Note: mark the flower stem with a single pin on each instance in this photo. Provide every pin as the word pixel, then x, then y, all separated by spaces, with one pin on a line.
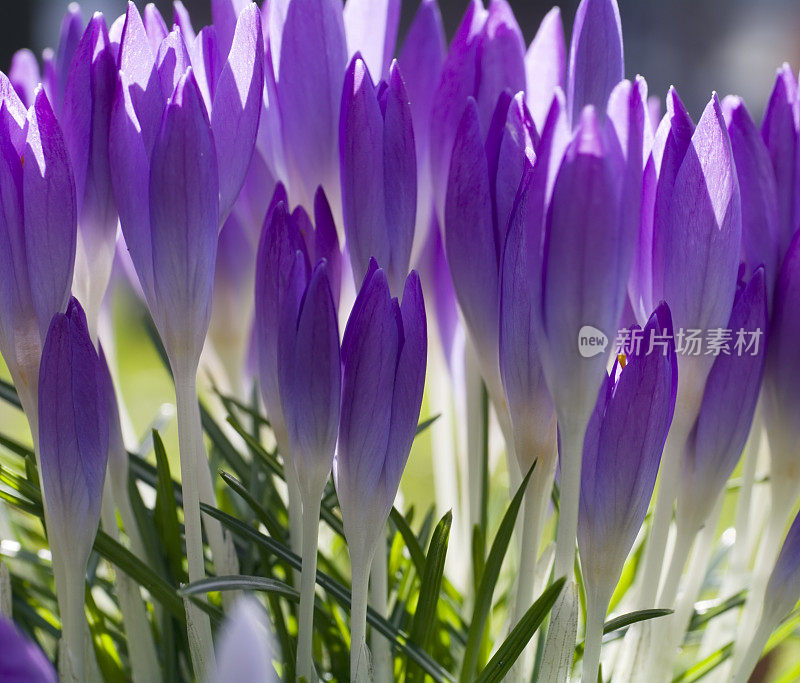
pixel 595 619
pixel 192 452
pixel 359 655
pixel 305 658
pixel 379 591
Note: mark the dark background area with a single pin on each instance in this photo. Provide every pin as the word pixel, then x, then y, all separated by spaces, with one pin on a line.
pixel 732 46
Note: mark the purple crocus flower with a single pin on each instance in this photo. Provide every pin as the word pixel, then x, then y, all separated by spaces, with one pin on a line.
pixel 760 225
pixel 284 235
pixel 545 66
pixel 718 437
pixel 378 172
pixel 309 373
pixel 166 149
pixel 86 113
pixel 781 389
pixel 383 374
pixel 481 188
pixel 21 660
pixel 621 455
pixel 73 444
pixel 38 233
pixel 486 56
pixel 596 60
pixel 309 56
pixel 780 132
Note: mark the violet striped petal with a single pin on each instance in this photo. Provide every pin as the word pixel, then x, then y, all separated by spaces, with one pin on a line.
pixel 50 213
pixel 56 65
pixel 184 215
pixel 371 29
pixel 21 660
pixel 24 75
pixel 73 436
pixel 596 60
pixel 545 65
pixel 154 26
pixel 225 14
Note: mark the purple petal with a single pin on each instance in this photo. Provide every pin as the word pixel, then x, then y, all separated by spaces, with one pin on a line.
pixel 57 66
pixel 308 45
pixel 73 435
pixel 596 61
pixel 225 14
pixel 172 60
pixel 361 146
pixel 21 659
pixel 469 234
pixel 184 215
pixel 207 63
pixel 783 362
pixel 280 242
pixel 371 29
pixel 130 179
pixel 586 193
pixel 310 380
pixel 182 19
pixel 369 364
pixel 237 105
pixel 137 62
pixel 399 178
pixel 760 227
pixel 24 75
pixel 718 437
pixel 621 457
pixel 699 245
pixel 409 383
pixel 532 413
pixel 779 130
pixel 545 65
pixel 155 27
pixel 50 213
pixel 784 581
pixel 326 244
pixel 15 118
pixel 87 110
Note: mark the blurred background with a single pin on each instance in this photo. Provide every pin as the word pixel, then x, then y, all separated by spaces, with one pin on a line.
pixel 732 46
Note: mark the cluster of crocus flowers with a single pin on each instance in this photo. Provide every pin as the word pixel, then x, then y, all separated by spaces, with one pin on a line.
pixel 278 177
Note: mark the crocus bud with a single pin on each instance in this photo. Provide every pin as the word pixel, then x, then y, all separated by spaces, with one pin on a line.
pixel 780 132
pixel 37 235
pixel 309 372
pixel 383 365
pixel 486 56
pixel 718 437
pixel 371 30
pixel 184 215
pixel 760 225
pixel 621 455
pixel 781 390
pixel 584 233
pixel 73 444
pixel 481 188
pixel 697 242
pixel 378 172
pixel 245 647
pixel 309 55
pixel 545 65
pixel 86 115
pixel 21 659
pixel 596 60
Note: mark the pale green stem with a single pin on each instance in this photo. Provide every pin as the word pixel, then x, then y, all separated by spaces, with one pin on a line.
pixel 70 587
pixel 379 591
pixel 359 655
pixel 305 636
pixel 744 664
pixel 293 494
pixel 593 641
pixel 192 456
